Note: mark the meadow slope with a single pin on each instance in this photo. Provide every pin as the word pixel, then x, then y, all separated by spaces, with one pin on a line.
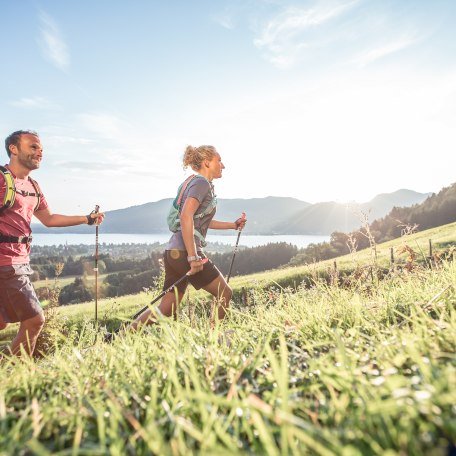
pixel 365 368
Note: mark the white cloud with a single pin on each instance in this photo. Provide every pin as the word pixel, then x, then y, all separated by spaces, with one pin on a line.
pixel 284 38
pixel 105 125
pixel 225 20
pixel 52 43
pixel 34 103
pixel 377 53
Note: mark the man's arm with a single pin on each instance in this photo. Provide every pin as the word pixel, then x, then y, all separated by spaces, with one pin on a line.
pixel 54 220
pixel 187 224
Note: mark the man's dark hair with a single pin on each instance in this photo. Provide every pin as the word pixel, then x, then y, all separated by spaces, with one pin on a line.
pixel 14 139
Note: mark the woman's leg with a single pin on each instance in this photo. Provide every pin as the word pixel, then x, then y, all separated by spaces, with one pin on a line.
pixel 168 307
pixel 222 293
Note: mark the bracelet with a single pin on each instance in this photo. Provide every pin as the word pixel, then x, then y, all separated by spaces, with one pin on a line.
pixel 193 258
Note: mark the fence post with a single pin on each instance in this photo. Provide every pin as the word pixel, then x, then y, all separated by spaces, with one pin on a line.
pixel 430 248
pixel 392 256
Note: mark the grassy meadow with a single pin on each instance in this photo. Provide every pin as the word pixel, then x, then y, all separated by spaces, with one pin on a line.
pixel 344 367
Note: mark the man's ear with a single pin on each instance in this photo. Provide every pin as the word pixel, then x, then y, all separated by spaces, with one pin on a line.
pixel 13 149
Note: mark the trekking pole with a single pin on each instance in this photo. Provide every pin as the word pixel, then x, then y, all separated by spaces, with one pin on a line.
pixel 175 284
pixel 97 208
pixel 234 253
pixel 170 288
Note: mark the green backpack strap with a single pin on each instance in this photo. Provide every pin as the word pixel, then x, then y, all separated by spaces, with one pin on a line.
pixel 174 212
pixel 173 215
pixel 10 191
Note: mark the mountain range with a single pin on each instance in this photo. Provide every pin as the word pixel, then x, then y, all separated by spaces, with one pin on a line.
pixel 269 215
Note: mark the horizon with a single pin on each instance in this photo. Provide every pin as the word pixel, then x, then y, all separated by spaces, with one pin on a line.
pixel 291 197
pixel 322 100
pixel 347 203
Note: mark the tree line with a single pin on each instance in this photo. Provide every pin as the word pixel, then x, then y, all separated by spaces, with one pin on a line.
pixel 132 275
pixel 438 209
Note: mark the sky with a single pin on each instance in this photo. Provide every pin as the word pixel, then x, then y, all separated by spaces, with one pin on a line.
pixel 320 100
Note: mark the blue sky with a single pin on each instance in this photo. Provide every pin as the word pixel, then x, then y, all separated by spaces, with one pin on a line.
pixel 319 100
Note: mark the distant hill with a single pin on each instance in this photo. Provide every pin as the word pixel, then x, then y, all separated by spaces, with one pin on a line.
pixel 269 215
pixel 324 218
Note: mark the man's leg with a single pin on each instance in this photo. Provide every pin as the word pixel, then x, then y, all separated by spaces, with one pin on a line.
pixel 3 324
pixel 27 336
pixel 222 293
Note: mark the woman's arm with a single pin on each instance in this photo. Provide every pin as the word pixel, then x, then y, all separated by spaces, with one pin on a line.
pixel 236 225
pixel 216 225
pixel 187 227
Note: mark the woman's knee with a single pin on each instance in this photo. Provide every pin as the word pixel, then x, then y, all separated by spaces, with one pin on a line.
pixel 227 293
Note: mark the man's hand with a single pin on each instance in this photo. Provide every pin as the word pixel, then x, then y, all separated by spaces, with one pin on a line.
pixel 95 218
pixel 240 222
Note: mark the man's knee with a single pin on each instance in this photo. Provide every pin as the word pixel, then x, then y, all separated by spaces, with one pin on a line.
pixel 34 324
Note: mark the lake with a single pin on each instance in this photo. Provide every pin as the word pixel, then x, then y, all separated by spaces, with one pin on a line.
pixel 117 238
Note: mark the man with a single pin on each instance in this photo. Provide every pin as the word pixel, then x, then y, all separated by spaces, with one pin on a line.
pixel 18 301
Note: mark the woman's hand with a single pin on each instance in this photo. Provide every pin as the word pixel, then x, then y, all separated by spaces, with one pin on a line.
pixel 240 222
pixel 196 266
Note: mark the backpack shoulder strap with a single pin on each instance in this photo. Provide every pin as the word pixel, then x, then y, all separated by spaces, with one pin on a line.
pixel 10 189
pixel 38 193
pixel 182 189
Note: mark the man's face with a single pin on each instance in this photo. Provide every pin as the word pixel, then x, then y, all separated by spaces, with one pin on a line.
pixel 29 151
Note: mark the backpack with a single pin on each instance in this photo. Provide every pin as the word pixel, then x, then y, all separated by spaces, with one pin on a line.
pixel 174 211
pixel 10 192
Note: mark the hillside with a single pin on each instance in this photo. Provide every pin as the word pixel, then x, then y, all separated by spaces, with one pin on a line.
pixel 363 369
pixel 270 215
pixel 325 218
pixel 442 238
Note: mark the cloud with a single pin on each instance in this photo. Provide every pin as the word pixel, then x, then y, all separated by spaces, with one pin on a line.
pixel 60 140
pixel 105 125
pixel 35 103
pixel 52 43
pixel 224 19
pixel 284 37
pixel 90 166
pixel 377 53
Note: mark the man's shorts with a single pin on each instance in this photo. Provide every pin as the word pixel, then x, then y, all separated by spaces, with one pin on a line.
pixel 176 265
pixel 18 300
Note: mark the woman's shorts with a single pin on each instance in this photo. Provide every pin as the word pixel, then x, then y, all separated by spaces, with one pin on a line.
pixel 18 300
pixel 176 265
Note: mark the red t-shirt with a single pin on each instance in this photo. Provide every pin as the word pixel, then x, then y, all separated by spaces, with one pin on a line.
pixel 16 221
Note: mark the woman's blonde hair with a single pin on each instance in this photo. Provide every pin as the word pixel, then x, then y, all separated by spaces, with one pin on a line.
pixel 195 156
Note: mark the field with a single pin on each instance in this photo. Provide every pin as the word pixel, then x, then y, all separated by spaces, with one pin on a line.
pixel 350 368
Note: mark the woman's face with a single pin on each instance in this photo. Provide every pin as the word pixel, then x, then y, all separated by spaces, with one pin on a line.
pixel 216 166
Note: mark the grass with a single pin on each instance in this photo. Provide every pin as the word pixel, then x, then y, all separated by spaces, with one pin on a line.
pixel 368 368
pixel 66 280
pixel 326 370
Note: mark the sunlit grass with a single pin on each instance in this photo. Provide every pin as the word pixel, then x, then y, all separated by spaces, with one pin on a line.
pixel 326 370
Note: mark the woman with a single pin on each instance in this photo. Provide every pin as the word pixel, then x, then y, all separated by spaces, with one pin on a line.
pixel 184 253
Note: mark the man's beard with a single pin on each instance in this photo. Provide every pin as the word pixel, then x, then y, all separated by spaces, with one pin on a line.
pixel 27 161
